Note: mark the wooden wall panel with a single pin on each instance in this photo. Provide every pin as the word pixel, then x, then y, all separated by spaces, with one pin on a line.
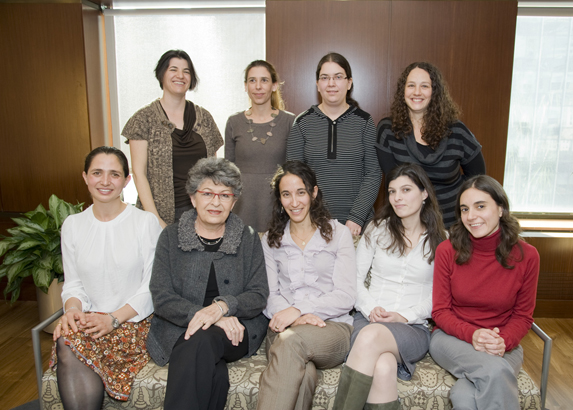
pixel 555 287
pixel 299 33
pixel 43 113
pixel 96 91
pixel 472 42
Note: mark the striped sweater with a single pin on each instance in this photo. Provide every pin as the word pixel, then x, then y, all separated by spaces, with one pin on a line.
pixel 341 154
pixel 442 164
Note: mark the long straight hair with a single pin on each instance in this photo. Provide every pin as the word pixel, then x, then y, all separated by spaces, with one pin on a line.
pixel 430 214
pixel 276 96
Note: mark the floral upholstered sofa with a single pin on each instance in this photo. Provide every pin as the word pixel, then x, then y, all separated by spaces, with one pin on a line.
pixel 428 389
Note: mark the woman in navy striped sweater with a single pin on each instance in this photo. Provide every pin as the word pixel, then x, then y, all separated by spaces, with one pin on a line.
pixel 424 129
pixel 335 138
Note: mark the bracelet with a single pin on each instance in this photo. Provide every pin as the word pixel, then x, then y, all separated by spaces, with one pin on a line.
pixel 223 313
pixel 70 308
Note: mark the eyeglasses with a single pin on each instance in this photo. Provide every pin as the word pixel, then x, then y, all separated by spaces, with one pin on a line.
pixel 326 78
pixel 210 195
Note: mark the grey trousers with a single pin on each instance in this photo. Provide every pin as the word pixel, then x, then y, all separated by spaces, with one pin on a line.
pixel 290 379
pixel 485 382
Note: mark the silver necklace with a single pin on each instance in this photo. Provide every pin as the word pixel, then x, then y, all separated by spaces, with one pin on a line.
pixel 205 242
pixel 251 130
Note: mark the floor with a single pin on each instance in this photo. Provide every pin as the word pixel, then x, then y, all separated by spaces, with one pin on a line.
pixel 18 379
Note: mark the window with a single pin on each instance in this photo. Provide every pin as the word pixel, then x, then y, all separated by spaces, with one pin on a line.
pixel 539 160
pixel 221 38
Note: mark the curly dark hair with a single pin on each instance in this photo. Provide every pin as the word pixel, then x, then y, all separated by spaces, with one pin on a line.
pixel 430 214
pixel 319 215
pixel 442 111
pixel 460 237
pixel 342 62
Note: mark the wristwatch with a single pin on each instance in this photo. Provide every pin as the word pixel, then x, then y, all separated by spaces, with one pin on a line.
pixel 114 322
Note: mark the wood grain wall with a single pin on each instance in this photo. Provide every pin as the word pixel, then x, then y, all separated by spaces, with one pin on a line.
pixel 470 41
pixel 44 124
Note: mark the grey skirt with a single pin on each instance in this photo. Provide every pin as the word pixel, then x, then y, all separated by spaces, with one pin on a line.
pixel 413 342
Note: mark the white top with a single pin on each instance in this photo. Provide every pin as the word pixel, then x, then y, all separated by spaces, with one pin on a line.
pixel 321 279
pixel 108 264
pixel 401 284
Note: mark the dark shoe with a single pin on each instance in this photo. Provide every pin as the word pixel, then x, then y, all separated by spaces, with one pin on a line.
pixel 393 405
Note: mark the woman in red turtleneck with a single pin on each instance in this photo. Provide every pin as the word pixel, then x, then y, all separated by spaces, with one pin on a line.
pixel 485 283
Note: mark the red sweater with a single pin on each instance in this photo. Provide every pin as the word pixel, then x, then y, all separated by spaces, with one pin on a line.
pixel 483 294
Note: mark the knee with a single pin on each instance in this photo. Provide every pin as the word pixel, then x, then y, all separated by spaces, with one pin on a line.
pixel 386 368
pixel 288 342
pixel 201 343
pixel 370 339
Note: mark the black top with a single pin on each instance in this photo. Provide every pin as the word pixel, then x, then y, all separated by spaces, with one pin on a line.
pixel 188 148
pixel 458 152
pixel 212 289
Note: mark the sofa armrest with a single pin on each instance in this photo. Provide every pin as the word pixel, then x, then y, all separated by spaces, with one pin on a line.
pixel 37 348
pixel 547 345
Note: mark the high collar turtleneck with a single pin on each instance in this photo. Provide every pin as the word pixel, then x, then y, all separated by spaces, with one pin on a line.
pixel 487 244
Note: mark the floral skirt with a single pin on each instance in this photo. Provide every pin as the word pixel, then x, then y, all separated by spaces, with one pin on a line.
pixel 116 357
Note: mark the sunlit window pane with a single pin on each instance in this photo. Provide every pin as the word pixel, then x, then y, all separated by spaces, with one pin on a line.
pixel 539 162
pixel 221 44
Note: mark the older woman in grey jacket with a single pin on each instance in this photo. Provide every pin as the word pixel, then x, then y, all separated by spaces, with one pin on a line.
pixel 209 287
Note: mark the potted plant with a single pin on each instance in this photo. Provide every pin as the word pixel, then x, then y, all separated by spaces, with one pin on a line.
pixel 34 248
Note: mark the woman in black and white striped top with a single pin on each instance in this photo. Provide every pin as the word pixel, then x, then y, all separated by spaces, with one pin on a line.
pixel 336 139
pixel 424 129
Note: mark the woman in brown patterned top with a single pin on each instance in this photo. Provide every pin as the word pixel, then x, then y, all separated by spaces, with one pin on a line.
pixel 167 137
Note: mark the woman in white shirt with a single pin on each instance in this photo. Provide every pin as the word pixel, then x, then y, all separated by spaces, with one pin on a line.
pixel 390 328
pixel 107 253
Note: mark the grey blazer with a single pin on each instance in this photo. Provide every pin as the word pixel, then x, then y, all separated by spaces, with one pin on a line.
pixel 179 281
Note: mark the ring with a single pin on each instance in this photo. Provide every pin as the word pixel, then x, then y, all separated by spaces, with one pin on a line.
pixel 276 327
pixel 232 329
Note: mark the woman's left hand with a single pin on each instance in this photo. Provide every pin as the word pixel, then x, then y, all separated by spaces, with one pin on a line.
pixel 204 318
pixel 385 316
pixel 309 319
pixel 355 229
pixel 97 325
pixel 233 329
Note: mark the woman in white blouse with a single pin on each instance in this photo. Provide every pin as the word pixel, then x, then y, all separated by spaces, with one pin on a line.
pixel 390 328
pixel 107 253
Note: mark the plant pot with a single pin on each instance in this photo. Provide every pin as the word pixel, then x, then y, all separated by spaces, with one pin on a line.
pixel 50 302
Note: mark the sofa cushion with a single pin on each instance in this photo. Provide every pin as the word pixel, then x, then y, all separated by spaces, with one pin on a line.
pixel 428 389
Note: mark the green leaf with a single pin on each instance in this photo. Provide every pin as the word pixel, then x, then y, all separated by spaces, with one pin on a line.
pixel 58 266
pixel 54 245
pixel 15 269
pixel 39 210
pixel 41 219
pixel 28 226
pixel 13 288
pixel 17 256
pixel 45 262
pixel 15 232
pixel 42 277
pixel 29 243
pixel 7 244
pixel 3 270
pixel 54 202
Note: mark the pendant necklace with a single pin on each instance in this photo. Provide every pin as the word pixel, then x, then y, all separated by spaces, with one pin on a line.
pixel 206 242
pixel 303 240
pixel 252 131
